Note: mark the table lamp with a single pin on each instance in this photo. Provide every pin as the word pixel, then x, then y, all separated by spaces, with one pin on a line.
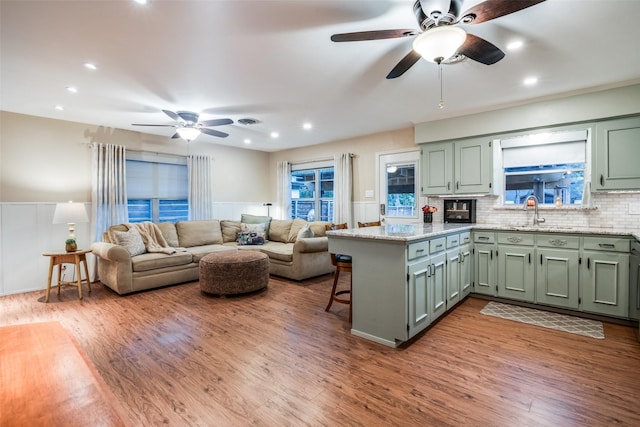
pixel 70 213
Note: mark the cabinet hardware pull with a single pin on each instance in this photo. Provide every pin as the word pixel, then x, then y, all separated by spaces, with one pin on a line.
pixel 491 254
pixel 449 185
pixel 588 263
pixel 607 245
pixel 540 259
pixel 483 238
pixel 420 250
pixel 601 179
pixel 529 258
pixel 457 185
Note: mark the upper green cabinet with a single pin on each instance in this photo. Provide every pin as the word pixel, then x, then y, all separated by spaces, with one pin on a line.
pixel 457 167
pixel 615 155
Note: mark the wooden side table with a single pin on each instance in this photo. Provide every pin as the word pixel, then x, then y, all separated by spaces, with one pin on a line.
pixel 76 258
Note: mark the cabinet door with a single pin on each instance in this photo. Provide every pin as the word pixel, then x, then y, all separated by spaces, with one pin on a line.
pixel 557 278
pixel 437 168
pixel 484 277
pixel 419 296
pixel 605 283
pixel 453 277
pixel 634 282
pixel 516 273
pixel 439 285
pixel 465 270
pixel 473 166
pixel 616 154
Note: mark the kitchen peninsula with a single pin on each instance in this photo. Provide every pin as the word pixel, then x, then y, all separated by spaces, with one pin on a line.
pixel 399 284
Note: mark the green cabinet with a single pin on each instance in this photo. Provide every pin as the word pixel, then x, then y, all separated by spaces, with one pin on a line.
pixel 438 277
pixel 515 266
pixel 453 264
pixel 419 296
pixel 484 263
pixel 457 167
pixel 466 271
pixel 615 155
pixel 634 281
pixel 557 270
pixel 604 276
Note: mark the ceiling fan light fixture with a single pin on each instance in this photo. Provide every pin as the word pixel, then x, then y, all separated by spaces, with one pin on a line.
pixel 439 43
pixel 188 133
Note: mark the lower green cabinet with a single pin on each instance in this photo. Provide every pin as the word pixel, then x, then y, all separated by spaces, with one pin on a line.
pixel 634 281
pixel 419 295
pixel 438 285
pixel 605 283
pixel 466 273
pixel 557 277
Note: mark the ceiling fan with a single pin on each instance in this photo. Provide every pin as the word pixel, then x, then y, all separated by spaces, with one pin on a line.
pixel 188 127
pixel 441 40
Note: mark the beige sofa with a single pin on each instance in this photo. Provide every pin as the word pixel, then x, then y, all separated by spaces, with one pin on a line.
pixel 289 256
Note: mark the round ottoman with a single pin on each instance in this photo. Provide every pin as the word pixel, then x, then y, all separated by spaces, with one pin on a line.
pixel 234 272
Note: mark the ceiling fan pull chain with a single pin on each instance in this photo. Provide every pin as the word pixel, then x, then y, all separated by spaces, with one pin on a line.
pixel 441 103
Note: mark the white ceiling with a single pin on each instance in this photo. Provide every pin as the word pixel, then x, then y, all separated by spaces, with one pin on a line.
pixel 274 61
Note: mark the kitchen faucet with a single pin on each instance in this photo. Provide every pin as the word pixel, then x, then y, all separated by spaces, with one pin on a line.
pixel 536 217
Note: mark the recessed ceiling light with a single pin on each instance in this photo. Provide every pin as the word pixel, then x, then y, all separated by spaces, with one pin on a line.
pixel 72 89
pixel 275 134
pixel 59 108
pixel 307 126
pixel 530 81
pixel 140 1
pixel 515 45
pixel 247 141
pixel 90 66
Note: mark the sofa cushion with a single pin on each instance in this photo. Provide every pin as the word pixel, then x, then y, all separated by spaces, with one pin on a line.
pixel 279 230
pixel 278 250
pixel 230 230
pixel 319 228
pixel 296 226
pixel 153 261
pixel 117 227
pixel 255 219
pixel 131 240
pixel 198 233
pixel 199 251
pixel 305 232
pixel 252 234
pixel 170 234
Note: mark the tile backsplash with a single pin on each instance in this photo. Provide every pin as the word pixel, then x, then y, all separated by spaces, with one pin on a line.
pixel 609 211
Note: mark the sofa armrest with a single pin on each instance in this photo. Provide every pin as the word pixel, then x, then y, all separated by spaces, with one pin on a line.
pixel 311 244
pixel 111 252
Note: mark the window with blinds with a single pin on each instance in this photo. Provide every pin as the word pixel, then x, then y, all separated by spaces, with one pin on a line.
pixel 550 166
pixel 157 188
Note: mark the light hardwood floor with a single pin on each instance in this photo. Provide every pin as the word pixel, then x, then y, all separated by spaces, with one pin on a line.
pixel 174 356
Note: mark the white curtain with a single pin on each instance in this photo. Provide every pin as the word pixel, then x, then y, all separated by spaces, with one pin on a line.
pixel 343 189
pixel 108 188
pixel 200 187
pixel 283 193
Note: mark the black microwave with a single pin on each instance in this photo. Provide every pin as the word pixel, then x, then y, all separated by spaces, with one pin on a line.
pixel 460 210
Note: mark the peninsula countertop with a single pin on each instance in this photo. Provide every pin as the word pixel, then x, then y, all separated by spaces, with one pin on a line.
pixel 417 231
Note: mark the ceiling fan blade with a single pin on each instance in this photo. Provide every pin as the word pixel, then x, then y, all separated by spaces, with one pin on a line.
pixel 480 50
pixel 171 114
pixel 175 136
pixel 216 122
pixel 372 35
pixel 142 124
pixel 492 9
pixel 404 64
pixel 188 116
pixel 214 132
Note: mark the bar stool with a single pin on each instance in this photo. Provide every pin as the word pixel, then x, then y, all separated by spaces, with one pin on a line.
pixel 369 224
pixel 342 264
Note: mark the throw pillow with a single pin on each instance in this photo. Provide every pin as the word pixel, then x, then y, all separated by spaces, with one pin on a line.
pixel 296 226
pixel 279 230
pixel 131 240
pixel 230 230
pixel 305 232
pixel 251 234
pixel 255 219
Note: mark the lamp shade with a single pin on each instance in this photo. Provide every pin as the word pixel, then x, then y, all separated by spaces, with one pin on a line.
pixel 70 213
pixel 188 133
pixel 439 43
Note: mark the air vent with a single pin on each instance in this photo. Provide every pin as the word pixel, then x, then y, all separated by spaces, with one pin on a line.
pixel 248 121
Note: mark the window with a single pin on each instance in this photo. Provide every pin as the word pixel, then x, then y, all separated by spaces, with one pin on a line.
pixel 550 166
pixel 312 192
pixel 157 188
pixel 401 191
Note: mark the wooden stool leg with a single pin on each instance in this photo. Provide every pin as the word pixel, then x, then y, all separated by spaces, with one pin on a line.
pixel 333 290
pixel 79 273
pixel 86 272
pixel 46 299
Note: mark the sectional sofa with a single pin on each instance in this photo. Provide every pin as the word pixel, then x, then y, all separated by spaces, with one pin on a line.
pixel 291 253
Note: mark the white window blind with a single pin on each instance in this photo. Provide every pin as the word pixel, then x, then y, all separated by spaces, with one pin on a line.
pixel 150 180
pixel 557 148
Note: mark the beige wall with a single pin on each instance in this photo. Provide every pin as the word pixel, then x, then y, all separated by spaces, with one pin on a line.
pixel 46 160
pixel 364 164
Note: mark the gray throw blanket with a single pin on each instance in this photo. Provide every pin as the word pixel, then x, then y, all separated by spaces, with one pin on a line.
pixel 153 239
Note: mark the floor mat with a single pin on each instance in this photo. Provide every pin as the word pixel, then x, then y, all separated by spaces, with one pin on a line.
pixel 546 319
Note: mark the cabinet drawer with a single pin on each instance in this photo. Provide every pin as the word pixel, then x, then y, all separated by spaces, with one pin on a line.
pixel 453 241
pixel 522 239
pixel 484 237
pixel 613 244
pixel 437 245
pixel 557 241
pixel 465 238
pixel 418 249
